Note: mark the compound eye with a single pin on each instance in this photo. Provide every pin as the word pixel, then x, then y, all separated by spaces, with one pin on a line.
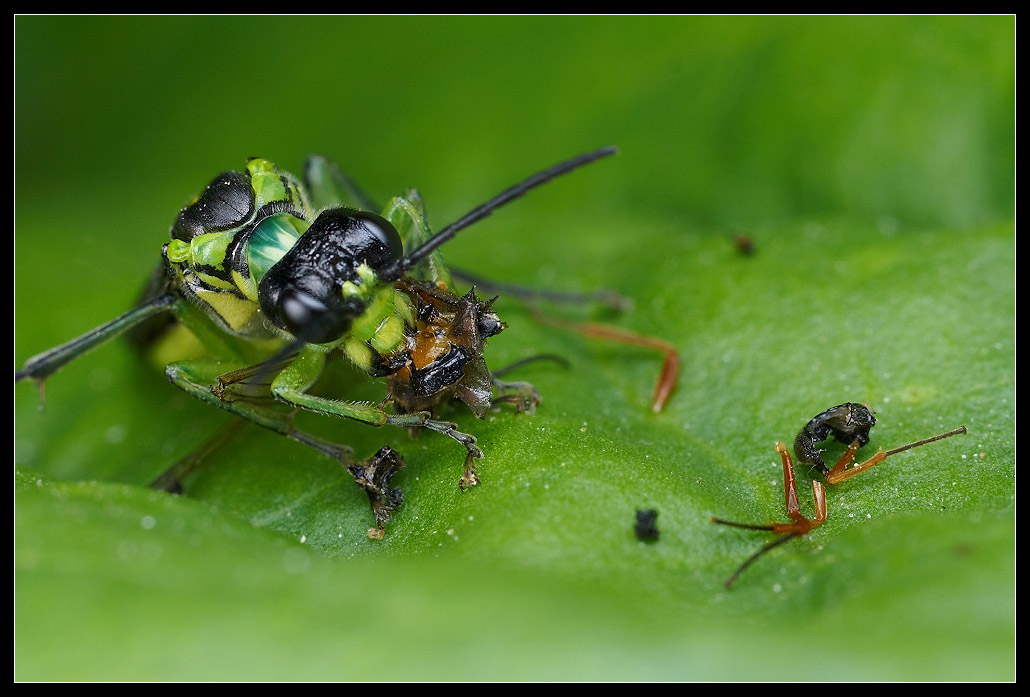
pixel 310 319
pixel 300 311
pixel 380 230
pixel 228 201
pixel 488 325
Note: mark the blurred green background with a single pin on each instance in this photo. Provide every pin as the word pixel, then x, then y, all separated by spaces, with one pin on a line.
pixel 870 159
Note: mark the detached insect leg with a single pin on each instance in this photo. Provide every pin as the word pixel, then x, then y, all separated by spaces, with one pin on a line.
pixel 839 472
pixel 670 371
pixel 844 425
pixel 799 526
pixel 291 384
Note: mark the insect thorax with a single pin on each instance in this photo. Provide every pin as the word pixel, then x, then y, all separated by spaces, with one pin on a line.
pixel 225 241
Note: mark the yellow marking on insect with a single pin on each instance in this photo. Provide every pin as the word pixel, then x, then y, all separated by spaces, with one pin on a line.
pixel 359 354
pixel 236 312
pixel 246 284
pixel 215 281
pixel 388 335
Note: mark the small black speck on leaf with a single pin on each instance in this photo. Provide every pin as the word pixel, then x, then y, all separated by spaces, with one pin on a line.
pixel 647 528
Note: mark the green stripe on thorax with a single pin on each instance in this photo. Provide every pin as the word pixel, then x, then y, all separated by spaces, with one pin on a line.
pixel 270 185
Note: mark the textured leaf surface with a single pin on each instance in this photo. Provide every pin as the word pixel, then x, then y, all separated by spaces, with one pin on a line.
pixel 870 160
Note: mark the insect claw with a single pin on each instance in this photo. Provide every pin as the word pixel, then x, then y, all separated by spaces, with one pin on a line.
pixel 469 478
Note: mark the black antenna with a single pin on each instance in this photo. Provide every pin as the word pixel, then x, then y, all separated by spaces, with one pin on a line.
pixel 401 266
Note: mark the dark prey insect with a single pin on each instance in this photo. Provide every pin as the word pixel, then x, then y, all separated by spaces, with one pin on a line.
pixel 273 275
pixel 848 423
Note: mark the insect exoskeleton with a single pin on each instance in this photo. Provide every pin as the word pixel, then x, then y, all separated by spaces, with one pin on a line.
pixel 273 274
pixel 848 423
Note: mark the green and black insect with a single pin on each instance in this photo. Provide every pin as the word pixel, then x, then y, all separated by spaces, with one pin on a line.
pixel 273 273
pixel 848 423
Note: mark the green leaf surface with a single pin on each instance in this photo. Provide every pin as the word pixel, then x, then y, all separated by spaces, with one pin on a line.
pixel 870 160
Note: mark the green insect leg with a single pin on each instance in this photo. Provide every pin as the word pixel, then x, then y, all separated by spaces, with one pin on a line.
pixel 408 215
pixel 330 187
pixel 171 480
pixel 40 367
pixel 291 384
pixel 196 378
